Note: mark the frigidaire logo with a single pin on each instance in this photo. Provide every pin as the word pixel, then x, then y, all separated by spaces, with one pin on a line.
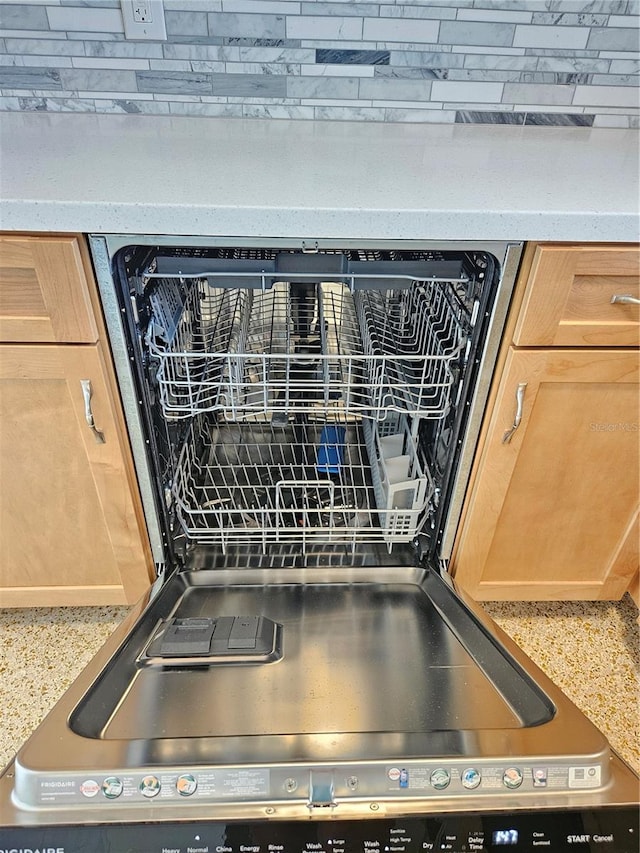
pixel 31 849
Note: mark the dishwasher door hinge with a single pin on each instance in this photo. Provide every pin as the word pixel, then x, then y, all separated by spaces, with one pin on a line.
pixel 158 583
pixel 443 569
pixel 425 557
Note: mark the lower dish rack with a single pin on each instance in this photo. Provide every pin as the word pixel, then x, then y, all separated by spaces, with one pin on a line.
pixel 347 480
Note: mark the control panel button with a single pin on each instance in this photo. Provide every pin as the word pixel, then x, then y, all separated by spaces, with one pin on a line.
pixel 150 786
pixel 512 778
pixel 186 785
pixel 112 787
pixel 471 778
pixel 440 778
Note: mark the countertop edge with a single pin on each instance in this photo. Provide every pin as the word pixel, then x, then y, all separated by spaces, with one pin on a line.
pixel 300 223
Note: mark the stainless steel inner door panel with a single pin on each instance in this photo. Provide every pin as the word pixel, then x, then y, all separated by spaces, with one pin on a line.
pixel 364 656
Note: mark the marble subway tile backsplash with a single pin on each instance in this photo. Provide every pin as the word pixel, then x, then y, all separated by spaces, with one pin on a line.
pixel 524 62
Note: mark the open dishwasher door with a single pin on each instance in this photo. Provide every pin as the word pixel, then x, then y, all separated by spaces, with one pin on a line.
pixel 302 425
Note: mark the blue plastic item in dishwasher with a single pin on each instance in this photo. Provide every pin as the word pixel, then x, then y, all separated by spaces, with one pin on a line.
pixel 331 449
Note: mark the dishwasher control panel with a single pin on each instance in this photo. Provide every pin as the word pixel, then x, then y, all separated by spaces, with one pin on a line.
pixel 607 830
pixel 314 787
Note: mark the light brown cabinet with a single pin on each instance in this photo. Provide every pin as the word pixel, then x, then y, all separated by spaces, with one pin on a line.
pixel 552 510
pixel 71 527
pixel 44 291
pixel 572 298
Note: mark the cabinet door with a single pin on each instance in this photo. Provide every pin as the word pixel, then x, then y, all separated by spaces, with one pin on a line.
pixel 568 298
pixel 551 513
pixel 69 529
pixel 44 294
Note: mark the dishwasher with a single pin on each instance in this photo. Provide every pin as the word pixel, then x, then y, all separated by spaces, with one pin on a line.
pixel 304 676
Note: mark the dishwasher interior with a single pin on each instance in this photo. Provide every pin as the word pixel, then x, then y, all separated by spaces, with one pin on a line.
pixel 303 424
pixel 303 403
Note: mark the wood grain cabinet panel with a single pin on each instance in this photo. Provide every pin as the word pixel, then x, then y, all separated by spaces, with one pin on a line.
pixel 44 292
pixel 69 533
pixel 568 297
pixel 634 586
pixel 553 511
pixel 72 530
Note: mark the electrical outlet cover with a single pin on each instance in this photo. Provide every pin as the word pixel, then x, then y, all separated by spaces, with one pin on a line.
pixel 144 20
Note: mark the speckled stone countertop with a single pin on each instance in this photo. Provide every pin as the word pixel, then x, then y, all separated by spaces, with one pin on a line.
pixel 590 649
pixel 316 180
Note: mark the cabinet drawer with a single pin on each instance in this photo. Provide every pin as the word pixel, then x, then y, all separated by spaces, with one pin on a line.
pixel 44 295
pixel 568 298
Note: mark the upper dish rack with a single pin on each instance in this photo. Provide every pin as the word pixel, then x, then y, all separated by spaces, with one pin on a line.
pixel 257 345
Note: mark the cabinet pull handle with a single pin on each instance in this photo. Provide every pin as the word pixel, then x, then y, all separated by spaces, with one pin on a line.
pixel 506 438
pixel 86 393
pixel 624 299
